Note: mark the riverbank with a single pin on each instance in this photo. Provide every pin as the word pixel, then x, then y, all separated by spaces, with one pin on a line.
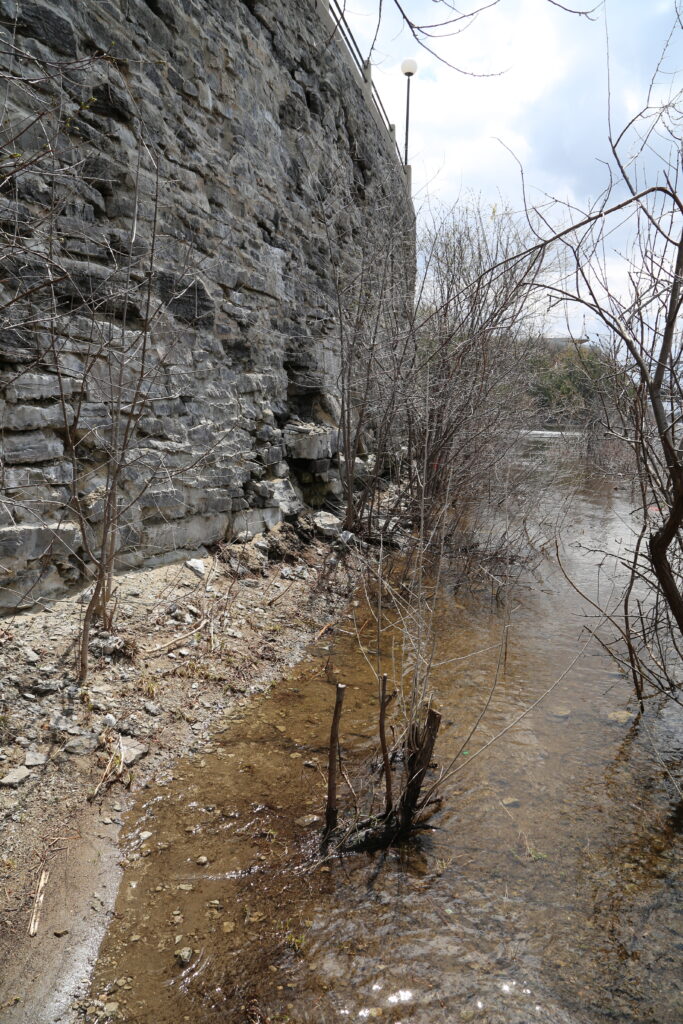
pixel 191 641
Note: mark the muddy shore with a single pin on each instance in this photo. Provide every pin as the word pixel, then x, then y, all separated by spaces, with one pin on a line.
pixel 190 642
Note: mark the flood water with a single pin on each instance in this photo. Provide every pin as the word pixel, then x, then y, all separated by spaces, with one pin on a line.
pixel 550 889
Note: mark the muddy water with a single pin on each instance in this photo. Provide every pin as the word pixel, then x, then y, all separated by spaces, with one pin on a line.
pixel 550 890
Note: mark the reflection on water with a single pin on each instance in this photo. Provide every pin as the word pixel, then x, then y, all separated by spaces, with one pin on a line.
pixel 550 890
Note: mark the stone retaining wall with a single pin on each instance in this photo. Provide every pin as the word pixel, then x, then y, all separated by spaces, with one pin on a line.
pixel 190 194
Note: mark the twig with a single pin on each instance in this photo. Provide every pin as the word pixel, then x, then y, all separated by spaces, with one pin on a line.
pixel 176 640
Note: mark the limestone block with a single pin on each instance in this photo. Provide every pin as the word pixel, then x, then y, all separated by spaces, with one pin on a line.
pixel 29 386
pixel 22 544
pixel 35 417
pixel 247 524
pixel 327 525
pixel 289 502
pixel 35 446
pixel 42 22
pixel 186 534
pixel 21 590
pixel 310 441
pixel 20 477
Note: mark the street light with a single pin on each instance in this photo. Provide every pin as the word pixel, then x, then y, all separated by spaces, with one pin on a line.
pixel 408 67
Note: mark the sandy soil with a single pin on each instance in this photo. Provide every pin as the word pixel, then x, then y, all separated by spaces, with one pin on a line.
pixel 186 645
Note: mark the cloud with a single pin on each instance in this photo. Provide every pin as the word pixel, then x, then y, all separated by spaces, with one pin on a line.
pixel 542 92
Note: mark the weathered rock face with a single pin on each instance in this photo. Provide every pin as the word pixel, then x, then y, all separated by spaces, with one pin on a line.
pixel 193 192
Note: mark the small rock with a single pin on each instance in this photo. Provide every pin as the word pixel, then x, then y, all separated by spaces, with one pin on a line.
pixel 326 524
pixel 307 820
pixel 560 711
pixel 145 835
pixel 15 777
pixel 82 745
pixel 622 717
pixel 31 656
pixel 202 861
pixel 61 932
pixel 43 687
pixel 510 801
pixel 34 758
pixel 133 751
pixel 111 1007
pixel 109 721
pixel 151 708
pixel 184 955
pixel 196 565
pixel 228 926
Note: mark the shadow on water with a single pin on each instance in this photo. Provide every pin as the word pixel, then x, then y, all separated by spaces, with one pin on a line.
pixel 550 890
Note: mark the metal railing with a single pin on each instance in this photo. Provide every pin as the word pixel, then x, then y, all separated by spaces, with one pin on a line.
pixel 336 14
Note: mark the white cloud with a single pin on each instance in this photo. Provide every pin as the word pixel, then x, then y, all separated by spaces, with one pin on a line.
pixel 549 104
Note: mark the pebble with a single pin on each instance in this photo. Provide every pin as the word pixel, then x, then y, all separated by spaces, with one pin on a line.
pixel 622 717
pixel 145 835
pixel 510 801
pixel 184 955
pixel 82 745
pixel 196 565
pixel 307 819
pixel 15 777
pixel 560 711
pixel 202 861
pixel 34 758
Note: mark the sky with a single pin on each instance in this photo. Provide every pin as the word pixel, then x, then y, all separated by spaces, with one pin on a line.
pixel 542 92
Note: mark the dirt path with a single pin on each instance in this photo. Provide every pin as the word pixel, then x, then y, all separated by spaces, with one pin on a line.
pixel 189 642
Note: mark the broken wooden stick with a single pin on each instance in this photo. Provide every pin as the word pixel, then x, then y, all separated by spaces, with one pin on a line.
pixel 38 902
pixel 421 748
pixel 331 811
pixel 383 704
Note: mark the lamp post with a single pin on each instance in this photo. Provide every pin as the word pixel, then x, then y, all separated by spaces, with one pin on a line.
pixel 408 67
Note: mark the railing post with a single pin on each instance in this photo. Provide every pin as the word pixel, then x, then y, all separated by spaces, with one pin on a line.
pixel 367 80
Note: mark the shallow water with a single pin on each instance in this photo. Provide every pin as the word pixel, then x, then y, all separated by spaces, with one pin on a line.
pixel 549 891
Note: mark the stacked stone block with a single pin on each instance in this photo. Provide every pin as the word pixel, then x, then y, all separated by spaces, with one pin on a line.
pixel 189 186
